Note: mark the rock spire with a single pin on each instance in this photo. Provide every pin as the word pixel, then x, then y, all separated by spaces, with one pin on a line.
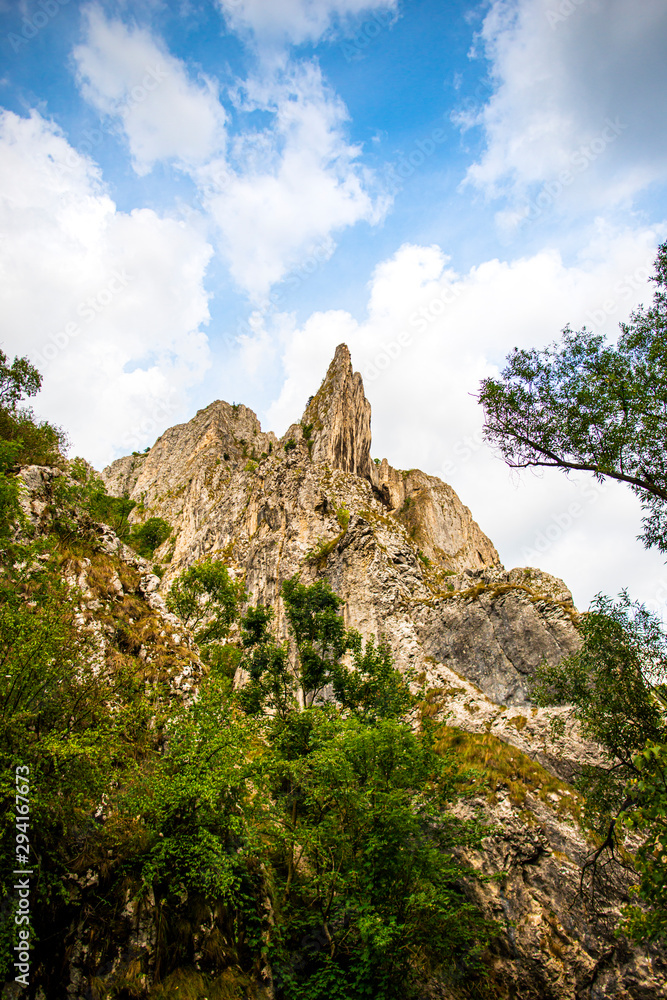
pixel 339 416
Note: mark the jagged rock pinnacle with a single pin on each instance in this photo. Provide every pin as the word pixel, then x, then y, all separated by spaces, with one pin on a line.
pixel 340 416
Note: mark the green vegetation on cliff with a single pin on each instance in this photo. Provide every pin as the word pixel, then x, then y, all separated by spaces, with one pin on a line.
pixel 261 842
pixel 616 686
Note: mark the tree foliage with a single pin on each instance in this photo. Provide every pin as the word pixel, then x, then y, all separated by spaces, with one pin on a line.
pixel 10 509
pixel 206 599
pixel 367 894
pixel 17 381
pixel 92 496
pixel 319 634
pixel 368 890
pixel 368 684
pixel 147 537
pixel 37 442
pixel 614 684
pixel 370 894
pixel 372 688
pixel 584 405
pixel 61 717
pixel 648 790
pixel 271 681
pixel 200 826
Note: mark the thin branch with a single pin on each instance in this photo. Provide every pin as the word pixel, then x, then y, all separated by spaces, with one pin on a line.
pixel 561 463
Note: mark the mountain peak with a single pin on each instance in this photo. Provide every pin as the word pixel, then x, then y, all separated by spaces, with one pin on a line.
pixel 340 417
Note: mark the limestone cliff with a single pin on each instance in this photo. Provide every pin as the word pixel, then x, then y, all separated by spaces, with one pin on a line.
pixel 119 598
pixel 412 565
pixel 339 418
pixel 414 569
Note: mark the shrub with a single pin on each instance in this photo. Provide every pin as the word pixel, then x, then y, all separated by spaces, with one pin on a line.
pixel 343 516
pixel 147 537
pixel 206 599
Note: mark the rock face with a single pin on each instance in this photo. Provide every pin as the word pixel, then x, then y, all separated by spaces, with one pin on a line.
pixel 415 570
pixel 551 949
pixel 120 601
pixel 339 416
pixel 218 435
pixel 400 548
pixel 435 518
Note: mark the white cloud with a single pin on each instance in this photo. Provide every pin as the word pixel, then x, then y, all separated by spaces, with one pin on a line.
pixel 577 100
pixel 286 188
pixel 107 304
pixel 280 191
pixel 296 21
pixel 431 335
pixel 128 75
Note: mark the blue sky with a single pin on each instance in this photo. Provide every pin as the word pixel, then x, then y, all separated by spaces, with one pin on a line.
pixel 201 198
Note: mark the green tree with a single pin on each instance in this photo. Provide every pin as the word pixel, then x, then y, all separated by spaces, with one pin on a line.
pixel 199 829
pixel 10 510
pixel 37 443
pixel 649 818
pixel 60 722
pixel 93 497
pixel 369 892
pixel 147 537
pixel 206 600
pixel 270 678
pixel 372 688
pixel 18 380
pixel 79 501
pixel 584 405
pixel 319 634
pixel 615 686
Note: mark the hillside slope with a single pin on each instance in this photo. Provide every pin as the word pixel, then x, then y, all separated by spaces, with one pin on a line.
pixel 414 569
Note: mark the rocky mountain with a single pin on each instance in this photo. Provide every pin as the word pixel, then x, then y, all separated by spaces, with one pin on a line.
pixel 414 569
pixel 413 566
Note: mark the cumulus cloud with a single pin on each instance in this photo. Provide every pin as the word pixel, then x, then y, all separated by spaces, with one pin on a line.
pixel 429 338
pixel 295 21
pixel 275 194
pixel 286 188
pixel 108 304
pixel 128 75
pixel 575 100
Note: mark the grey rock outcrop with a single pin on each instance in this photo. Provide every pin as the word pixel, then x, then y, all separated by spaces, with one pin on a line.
pixel 339 419
pixel 436 520
pixel 400 548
